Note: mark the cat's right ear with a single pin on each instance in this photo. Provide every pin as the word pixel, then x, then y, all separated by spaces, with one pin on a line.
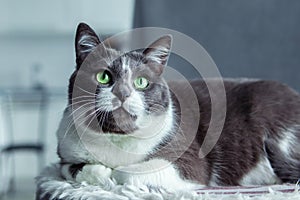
pixel 159 52
pixel 86 40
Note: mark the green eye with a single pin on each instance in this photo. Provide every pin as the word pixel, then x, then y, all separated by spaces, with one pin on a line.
pixel 141 83
pixel 103 77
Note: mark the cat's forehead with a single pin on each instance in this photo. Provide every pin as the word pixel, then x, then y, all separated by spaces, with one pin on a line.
pixel 128 61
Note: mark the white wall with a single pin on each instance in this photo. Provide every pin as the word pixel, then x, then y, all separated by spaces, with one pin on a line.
pixel 20 53
pixel 40 32
pixel 61 16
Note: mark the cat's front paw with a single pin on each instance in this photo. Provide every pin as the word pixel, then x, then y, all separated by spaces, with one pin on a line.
pixel 127 175
pixel 95 174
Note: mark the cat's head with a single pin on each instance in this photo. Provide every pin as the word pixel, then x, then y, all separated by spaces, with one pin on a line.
pixel 116 92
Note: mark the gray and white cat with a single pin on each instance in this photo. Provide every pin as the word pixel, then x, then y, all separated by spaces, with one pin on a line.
pixel 123 122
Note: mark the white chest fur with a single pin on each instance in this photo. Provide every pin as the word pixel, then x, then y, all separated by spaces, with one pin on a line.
pixel 80 144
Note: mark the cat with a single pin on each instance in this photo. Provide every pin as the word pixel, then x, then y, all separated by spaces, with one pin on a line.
pixel 123 122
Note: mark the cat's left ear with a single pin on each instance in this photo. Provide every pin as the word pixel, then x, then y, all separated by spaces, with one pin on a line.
pixel 86 40
pixel 159 51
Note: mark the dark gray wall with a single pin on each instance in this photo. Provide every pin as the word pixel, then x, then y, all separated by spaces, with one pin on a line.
pixel 246 38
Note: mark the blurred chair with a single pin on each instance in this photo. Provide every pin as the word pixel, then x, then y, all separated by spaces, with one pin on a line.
pixel 14 101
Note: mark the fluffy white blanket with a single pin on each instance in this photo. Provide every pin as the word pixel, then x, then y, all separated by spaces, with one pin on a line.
pixel 50 185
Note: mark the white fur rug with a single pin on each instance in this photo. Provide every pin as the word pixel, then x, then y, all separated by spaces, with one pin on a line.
pixel 50 185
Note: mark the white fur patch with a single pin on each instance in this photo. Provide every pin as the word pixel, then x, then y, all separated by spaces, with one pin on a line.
pixel 94 174
pixel 125 64
pixel 288 141
pixel 261 174
pixel 134 104
pixel 155 172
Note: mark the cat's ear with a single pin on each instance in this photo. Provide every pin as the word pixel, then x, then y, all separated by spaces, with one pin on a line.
pixel 159 51
pixel 86 40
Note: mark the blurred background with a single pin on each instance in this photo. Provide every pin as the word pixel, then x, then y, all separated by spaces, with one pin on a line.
pixel 255 39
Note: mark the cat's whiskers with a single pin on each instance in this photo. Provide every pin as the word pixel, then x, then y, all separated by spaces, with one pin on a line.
pixel 72 106
pixel 147 99
pixel 72 124
pixel 75 120
pixel 80 101
pixel 86 103
pixel 87 100
pixel 88 92
pixel 83 97
pixel 94 115
pixel 134 108
pixel 103 119
pixel 155 108
pixel 84 110
pixel 79 124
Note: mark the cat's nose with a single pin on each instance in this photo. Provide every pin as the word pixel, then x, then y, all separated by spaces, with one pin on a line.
pixel 123 96
pixel 122 93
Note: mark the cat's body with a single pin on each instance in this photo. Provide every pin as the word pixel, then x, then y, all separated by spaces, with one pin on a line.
pixel 132 127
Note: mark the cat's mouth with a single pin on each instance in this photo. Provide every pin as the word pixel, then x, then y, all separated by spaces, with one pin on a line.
pixel 118 121
pixel 124 107
pixel 123 113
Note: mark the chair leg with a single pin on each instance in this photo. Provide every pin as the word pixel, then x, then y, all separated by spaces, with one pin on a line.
pixel 5 173
pixel 12 178
pixel 41 160
pixel 2 176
